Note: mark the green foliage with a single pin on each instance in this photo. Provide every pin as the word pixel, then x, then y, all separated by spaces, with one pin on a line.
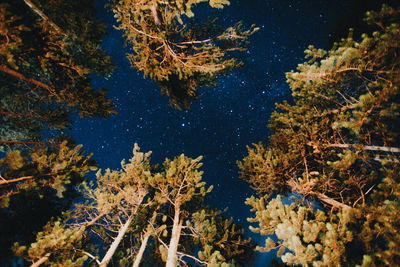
pixel 145 199
pixel 221 241
pixel 310 236
pixel 180 181
pixel 174 50
pixel 57 167
pixel 45 70
pixel 337 145
pixel 118 197
pixel 35 185
pixel 57 244
pixel 48 49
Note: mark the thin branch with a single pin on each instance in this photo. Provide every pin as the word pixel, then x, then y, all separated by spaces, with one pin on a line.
pixel 4 181
pixel 90 256
pixel 191 257
pixel 372 148
pixel 14 114
pixel 20 76
pixel 362 195
pixel 330 201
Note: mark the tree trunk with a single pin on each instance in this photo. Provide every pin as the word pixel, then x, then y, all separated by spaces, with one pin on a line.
pixel 42 260
pixel 139 255
pixel 106 259
pixel 145 240
pixel 174 242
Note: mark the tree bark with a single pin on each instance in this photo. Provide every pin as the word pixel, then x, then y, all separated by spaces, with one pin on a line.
pixel 42 260
pixel 174 242
pixel 106 259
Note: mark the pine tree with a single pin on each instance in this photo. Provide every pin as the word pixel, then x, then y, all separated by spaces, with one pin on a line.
pixel 47 52
pixel 44 167
pixel 176 51
pixel 180 182
pixel 336 146
pixel 221 241
pixel 34 186
pixel 135 209
pixel 108 213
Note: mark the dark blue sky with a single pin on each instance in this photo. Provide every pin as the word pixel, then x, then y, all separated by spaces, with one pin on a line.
pixel 226 118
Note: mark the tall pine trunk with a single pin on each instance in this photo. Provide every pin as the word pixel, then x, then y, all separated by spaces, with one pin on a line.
pixel 141 251
pixel 115 243
pixel 145 240
pixel 174 242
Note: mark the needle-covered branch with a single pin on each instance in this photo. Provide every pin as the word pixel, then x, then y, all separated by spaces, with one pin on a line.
pixel 174 50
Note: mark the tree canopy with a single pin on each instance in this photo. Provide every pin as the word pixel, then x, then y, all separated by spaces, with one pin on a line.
pixel 327 181
pixel 128 207
pixel 47 52
pixel 336 148
pixel 178 52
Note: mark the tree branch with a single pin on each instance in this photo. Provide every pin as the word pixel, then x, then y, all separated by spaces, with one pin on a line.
pixel 20 76
pixel 90 256
pixel 42 15
pixel 372 148
pixel 41 260
pixel 4 181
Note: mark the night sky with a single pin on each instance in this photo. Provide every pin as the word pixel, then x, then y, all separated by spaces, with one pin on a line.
pixel 224 119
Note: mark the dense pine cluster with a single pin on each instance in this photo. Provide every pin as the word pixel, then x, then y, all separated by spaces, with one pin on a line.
pixel 336 151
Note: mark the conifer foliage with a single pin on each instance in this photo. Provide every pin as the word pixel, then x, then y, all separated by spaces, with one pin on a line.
pixel 47 51
pixel 173 49
pixel 337 146
pixel 138 207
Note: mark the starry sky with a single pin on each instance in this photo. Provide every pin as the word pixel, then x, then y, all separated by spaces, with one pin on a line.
pixel 225 118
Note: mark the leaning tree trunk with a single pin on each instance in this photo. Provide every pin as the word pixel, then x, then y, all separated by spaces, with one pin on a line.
pixel 141 251
pixel 145 240
pixel 174 242
pixel 116 242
